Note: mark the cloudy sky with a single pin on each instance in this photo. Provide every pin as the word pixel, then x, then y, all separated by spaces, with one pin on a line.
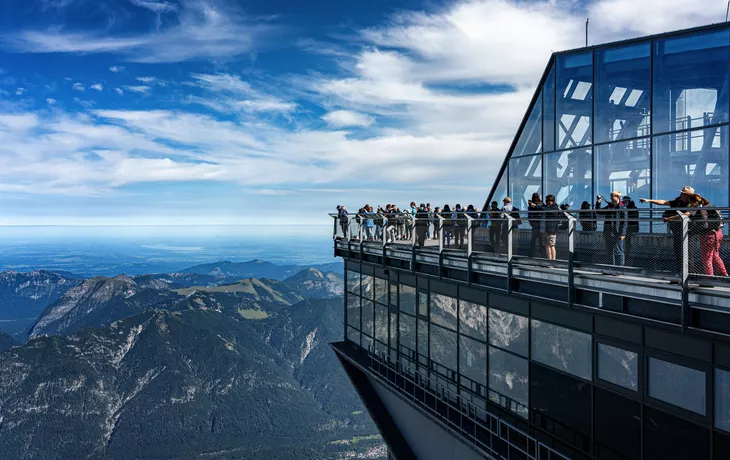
pixel 149 112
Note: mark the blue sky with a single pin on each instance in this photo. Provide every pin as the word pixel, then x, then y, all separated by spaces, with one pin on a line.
pixel 150 112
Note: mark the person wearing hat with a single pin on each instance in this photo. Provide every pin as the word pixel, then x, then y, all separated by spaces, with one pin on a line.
pixel 674 220
pixel 509 209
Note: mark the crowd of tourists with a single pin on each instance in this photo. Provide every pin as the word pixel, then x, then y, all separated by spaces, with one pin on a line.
pixel 619 214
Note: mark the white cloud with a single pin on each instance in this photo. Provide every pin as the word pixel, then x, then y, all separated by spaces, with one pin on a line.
pixel 157 7
pixel 97 87
pixel 19 91
pixel 79 87
pixel 138 88
pixel 116 68
pixel 51 101
pixel 233 94
pixel 119 91
pixel 345 118
pixel 147 80
pixel 201 30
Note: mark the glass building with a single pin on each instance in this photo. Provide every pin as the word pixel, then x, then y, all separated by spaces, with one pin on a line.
pixel 644 117
pixel 458 356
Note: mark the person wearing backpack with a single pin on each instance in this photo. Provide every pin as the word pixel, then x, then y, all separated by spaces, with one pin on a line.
pixel 459 226
pixel 710 238
pixel 448 225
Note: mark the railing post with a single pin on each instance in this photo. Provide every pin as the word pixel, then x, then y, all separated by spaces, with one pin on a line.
pixel 335 221
pixel 469 248
pixel 413 243
pixel 510 227
pixel 441 246
pixel 571 258
pixel 685 271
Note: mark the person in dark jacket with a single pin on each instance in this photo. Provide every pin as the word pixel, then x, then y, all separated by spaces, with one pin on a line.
pixel 495 226
pixel 674 221
pixel 436 213
pixel 549 226
pixel 344 220
pixel 421 225
pixel 459 226
pixel 534 208
pixel 448 225
pixel 614 227
pixel 587 217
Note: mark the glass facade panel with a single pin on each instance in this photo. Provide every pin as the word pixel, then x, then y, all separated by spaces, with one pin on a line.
pixel 697 158
pixel 574 99
pixel 623 92
pixel 568 175
pixel 473 360
pixel 501 190
pixel 422 338
pixel 722 399
pixel 508 331
pixel 368 344
pixel 473 320
pixel 423 304
pixel 561 348
pixel 682 386
pixel 381 290
pixel 530 141
pixel 353 335
pixel 393 293
pixel 508 378
pixel 353 282
pixel 618 426
pixel 623 166
pixel 367 287
pixel 407 329
pixel 381 323
pixel 443 347
pixel 393 330
pixel 408 299
pixel 353 311
pixel 525 179
pixel 443 311
pixel 691 81
pixel 667 436
pixel 367 317
pixel 618 366
pixel 548 111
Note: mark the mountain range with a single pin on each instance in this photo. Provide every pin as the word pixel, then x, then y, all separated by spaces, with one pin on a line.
pixel 156 366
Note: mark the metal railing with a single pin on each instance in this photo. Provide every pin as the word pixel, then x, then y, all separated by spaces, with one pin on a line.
pixel 682 246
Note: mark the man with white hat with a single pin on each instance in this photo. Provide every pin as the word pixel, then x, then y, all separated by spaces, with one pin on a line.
pixel 673 219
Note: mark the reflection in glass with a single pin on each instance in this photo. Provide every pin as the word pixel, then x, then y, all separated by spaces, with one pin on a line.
pixel 423 304
pixel 697 158
pixel 574 99
pixel 423 338
pixel 508 380
pixel 443 347
pixel 525 178
pixel 353 311
pixel 443 310
pixel 623 166
pixel 623 92
pixel 568 176
pixel 353 282
pixel 682 386
pixel 473 360
pixel 500 191
pixel 407 330
pixel 393 330
pixel 381 323
pixel 561 348
pixel 691 81
pixel 722 399
pixel 508 331
pixel 367 343
pixel 353 335
pixel 408 299
pixel 548 111
pixel 473 320
pixel 367 317
pixel 367 287
pixel 618 366
pixel 393 294
pixel 530 141
pixel 381 290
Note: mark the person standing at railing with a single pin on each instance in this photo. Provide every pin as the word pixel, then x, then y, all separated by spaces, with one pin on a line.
pixel 379 223
pixel 534 216
pixel 587 217
pixel 421 225
pixel 509 210
pixel 344 220
pixel 674 221
pixel 448 224
pixel 472 212
pixel 369 224
pixel 710 230
pixel 435 215
pixel 495 226
pixel 429 218
pixel 549 226
pixel 614 227
pixel 459 226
